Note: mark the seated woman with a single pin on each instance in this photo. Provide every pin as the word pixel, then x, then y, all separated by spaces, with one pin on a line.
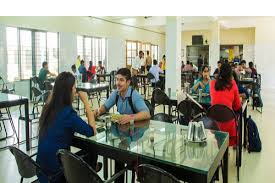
pixel 242 91
pixel 224 91
pixel 203 82
pixel 57 125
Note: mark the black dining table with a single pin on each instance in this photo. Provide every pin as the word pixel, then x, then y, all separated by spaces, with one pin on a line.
pixel 11 100
pixel 163 145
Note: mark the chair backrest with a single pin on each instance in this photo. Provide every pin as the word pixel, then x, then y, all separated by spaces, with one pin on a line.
pixel 162 117
pixel 75 169
pixel 188 108
pixel 150 76
pixel 36 92
pixel 48 85
pixel 150 107
pixel 220 113
pixel 159 97
pixel 27 167
pixel 151 174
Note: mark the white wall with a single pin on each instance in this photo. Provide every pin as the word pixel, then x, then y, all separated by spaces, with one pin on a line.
pixel 115 55
pixel 265 51
pixel 249 52
pixel 67 51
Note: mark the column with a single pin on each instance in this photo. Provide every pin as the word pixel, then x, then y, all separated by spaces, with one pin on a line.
pixel 173 54
pixel 214 48
pixel 3 52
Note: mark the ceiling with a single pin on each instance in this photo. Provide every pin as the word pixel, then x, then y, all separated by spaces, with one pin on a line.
pixel 157 23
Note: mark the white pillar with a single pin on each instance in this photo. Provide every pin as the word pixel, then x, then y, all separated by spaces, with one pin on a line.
pixel 173 53
pixel 68 51
pixel 3 52
pixel 116 57
pixel 214 49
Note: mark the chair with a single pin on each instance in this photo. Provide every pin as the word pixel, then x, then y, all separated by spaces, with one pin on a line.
pixel 162 117
pixel 150 76
pixel 150 107
pixel 152 174
pixel 189 110
pixel 221 114
pixel 48 86
pixel 4 88
pixel 160 98
pixel 77 170
pixel 27 167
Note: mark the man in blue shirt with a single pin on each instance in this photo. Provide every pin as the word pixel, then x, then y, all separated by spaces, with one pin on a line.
pixel 155 70
pixel 129 102
pixel 83 71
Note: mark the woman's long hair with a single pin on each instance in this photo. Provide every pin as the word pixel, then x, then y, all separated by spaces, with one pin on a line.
pixel 224 80
pixel 60 97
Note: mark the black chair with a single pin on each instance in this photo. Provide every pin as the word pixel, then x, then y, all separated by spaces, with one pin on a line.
pixel 48 85
pixel 152 174
pixel 162 117
pixel 189 110
pixel 27 167
pixel 150 107
pixel 160 98
pixel 77 170
pixel 221 114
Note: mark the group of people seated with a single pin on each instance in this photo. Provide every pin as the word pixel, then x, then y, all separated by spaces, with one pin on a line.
pixel 79 69
pixel 59 120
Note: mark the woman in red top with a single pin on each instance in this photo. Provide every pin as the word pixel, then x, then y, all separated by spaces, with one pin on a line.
pixel 91 71
pixel 224 90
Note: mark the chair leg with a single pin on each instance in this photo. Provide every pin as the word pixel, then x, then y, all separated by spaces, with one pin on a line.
pixel 21 180
pixel 133 176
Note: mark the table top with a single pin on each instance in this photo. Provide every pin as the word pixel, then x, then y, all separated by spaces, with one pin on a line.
pixel 165 143
pixel 101 75
pixel 10 98
pixel 90 86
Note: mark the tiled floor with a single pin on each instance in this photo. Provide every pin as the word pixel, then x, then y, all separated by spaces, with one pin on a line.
pixel 256 167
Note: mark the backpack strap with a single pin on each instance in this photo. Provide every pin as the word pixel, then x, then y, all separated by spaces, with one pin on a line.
pixel 130 100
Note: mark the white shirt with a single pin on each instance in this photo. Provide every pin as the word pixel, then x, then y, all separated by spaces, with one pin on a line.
pixel 155 70
pixel 136 64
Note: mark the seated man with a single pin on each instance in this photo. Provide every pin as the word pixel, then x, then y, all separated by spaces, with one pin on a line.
pixel 44 71
pixel 75 71
pixel 129 103
pixel 155 70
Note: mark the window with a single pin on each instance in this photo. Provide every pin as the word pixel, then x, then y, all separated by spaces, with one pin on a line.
pixel 133 47
pixel 155 52
pixel 92 49
pixel 27 49
pixel 12 53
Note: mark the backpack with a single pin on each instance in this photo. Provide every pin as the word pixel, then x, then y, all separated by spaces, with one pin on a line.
pixel 253 137
pixel 130 100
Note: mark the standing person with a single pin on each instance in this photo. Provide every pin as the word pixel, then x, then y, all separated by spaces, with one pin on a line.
pixel 224 90
pixel 148 62
pixel 83 71
pixel 136 65
pixel 155 70
pixel 163 65
pixel 42 76
pixel 77 63
pixel 203 82
pixel 57 125
pixel 129 103
pixel 91 71
pixel 200 63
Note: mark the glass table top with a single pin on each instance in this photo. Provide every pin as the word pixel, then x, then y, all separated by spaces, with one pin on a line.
pixel 4 97
pixel 205 99
pixel 163 142
pixel 91 85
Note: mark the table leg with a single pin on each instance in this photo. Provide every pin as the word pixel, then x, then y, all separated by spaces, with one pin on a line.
pixel 225 167
pixel 245 124
pixel 240 144
pixel 119 166
pixel 105 164
pixel 108 93
pixel 27 125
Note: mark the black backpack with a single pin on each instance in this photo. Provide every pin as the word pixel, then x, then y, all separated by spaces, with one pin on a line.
pixel 253 137
pixel 148 104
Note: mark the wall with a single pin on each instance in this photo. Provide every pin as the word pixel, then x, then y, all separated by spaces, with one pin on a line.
pixel 69 28
pixel 264 51
pixel 237 36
